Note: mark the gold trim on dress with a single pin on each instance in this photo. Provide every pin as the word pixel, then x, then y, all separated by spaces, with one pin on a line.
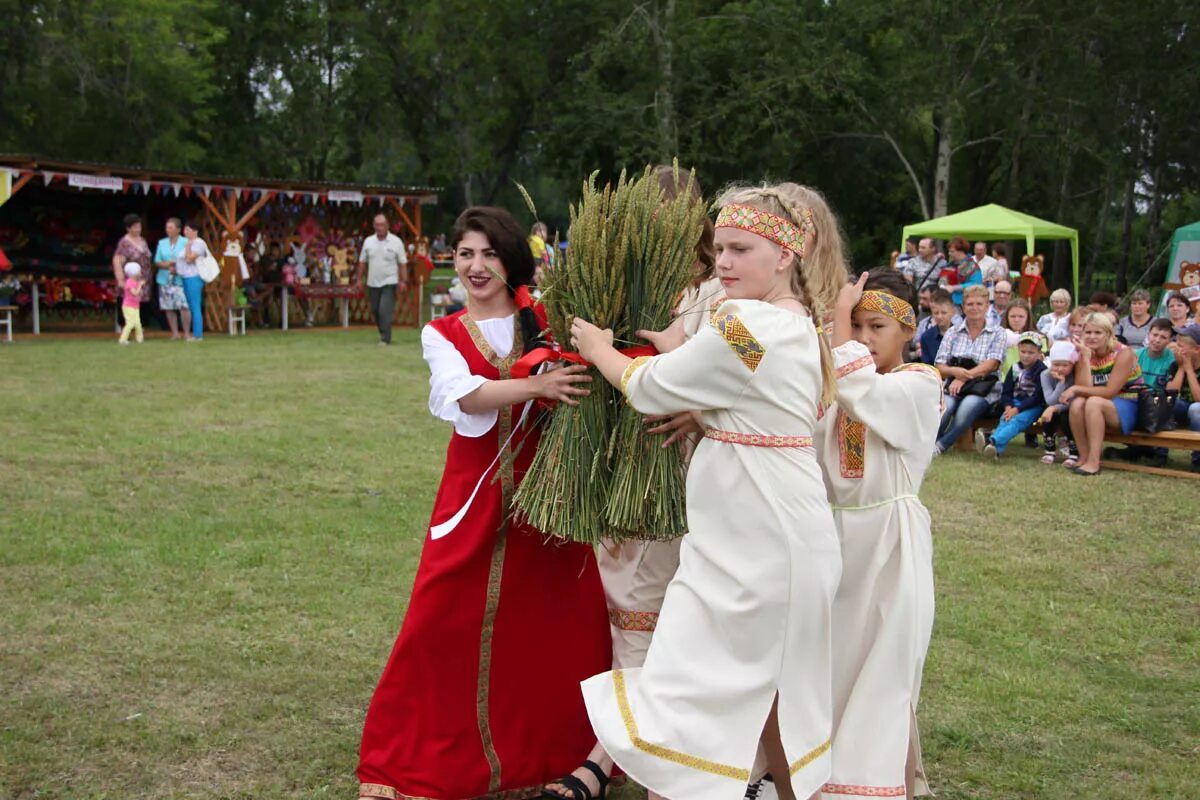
pixel 863 791
pixel 852 445
pixel 757 439
pixel 855 365
pixel 496 567
pixel 811 756
pixel 633 367
pixel 666 753
pixel 741 340
pixel 379 790
pixel 625 620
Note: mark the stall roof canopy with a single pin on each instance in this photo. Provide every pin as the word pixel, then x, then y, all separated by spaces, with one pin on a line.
pixel 992 222
pixel 30 163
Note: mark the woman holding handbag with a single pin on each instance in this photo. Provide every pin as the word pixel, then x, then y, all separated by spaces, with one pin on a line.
pixel 969 360
pixel 188 268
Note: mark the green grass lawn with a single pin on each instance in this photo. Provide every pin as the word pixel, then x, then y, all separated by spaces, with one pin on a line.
pixel 206 550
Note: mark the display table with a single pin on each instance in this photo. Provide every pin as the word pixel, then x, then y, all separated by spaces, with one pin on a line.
pixel 342 292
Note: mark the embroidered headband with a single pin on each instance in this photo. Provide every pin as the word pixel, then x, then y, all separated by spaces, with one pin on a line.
pixel 771 227
pixel 889 305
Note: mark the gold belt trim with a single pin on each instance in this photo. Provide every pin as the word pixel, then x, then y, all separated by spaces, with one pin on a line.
pixel 757 439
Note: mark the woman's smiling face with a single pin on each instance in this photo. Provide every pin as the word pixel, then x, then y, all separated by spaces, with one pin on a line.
pixel 479 267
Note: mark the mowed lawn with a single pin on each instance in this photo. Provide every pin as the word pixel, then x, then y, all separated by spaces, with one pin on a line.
pixel 206 550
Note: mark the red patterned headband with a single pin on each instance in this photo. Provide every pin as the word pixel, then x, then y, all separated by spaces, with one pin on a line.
pixel 771 227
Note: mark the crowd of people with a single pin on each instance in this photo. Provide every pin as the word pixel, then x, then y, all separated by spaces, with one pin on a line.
pixel 1076 373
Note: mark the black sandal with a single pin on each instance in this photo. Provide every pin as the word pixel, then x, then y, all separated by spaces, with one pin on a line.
pixel 577 788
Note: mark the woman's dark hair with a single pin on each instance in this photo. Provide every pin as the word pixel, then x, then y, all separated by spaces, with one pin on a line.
pixel 673 182
pixel 130 220
pixel 1176 297
pixel 1104 299
pixel 507 238
pixel 189 224
pixel 893 282
pixel 1001 248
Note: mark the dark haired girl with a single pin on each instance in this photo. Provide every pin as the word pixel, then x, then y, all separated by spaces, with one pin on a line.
pixel 480 698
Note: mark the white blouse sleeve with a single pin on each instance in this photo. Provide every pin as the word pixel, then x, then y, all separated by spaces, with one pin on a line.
pixel 902 407
pixel 710 370
pixel 450 380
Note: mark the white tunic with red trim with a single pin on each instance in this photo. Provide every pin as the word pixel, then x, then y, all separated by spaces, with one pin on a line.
pixel 746 618
pixel 875 444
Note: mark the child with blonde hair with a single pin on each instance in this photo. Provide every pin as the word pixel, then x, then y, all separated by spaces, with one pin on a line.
pixel 741 654
pixel 135 287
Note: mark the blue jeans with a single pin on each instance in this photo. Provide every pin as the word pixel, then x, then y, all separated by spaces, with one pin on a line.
pixel 1188 414
pixel 193 290
pixel 960 413
pixel 1007 430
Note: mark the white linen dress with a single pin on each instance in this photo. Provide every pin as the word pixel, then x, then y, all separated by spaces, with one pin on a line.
pixel 876 443
pixel 635 574
pixel 747 616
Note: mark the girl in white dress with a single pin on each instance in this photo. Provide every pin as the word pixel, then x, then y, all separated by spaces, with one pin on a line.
pixel 876 443
pixel 741 654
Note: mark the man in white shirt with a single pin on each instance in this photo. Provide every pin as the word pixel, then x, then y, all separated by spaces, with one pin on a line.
pixel 383 266
pixel 991 268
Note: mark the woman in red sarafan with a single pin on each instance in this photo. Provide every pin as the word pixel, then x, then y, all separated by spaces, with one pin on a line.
pixel 480 698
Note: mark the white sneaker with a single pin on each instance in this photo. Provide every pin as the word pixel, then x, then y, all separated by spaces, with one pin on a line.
pixel 980 440
pixel 990 450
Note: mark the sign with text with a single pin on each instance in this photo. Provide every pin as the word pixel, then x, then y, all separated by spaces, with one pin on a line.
pixel 107 183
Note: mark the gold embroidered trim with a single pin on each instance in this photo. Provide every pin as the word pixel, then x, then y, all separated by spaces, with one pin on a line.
pixel 496 567
pixel 852 445
pixel 747 348
pixel 666 753
pixel 645 621
pixel 633 367
pixel 855 365
pixel 811 756
pixel 757 439
pixel 378 790
pixel 918 367
pixel 863 791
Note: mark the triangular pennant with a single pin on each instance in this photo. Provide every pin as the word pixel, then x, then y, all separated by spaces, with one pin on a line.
pixel 48 177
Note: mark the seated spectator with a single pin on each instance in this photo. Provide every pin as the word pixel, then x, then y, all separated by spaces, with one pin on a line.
pixel 962 270
pixel 924 320
pixel 1054 325
pixel 1186 382
pixel 942 317
pixel 910 252
pixel 969 358
pixel 1103 301
pixel 1105 395
pixel 1057 378
pixel 990 267
pixel 1022 397
pixel 1133 328
pixel 1075 323
pixel 1178 311
pixel 257 291
pixel 1156 359
pixel 1017 320
pixel 1002 295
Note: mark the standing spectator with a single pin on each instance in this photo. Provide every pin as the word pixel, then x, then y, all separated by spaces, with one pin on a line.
pixel 1002 295
pixel 1178 311
pixel 193 284
pixel 171 300
pixel 1105 394
pixel 910 252
pixel 1057 378
pixel 1156 359
pixel 942 317
pixel 1186 382
pixel 963 271
pixel 990 267
pixel 1000 253
pixel 925 268
pixel 383 265
pixel 1022 397
pixel 969 359
pixel 1135 326
pixel 1055 325
pixel 132 248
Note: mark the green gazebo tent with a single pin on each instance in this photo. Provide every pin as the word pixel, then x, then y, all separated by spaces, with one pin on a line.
pixel 992 222
pixel 1185 246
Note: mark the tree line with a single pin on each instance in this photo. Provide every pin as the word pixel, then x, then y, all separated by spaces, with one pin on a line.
pixel 1085 113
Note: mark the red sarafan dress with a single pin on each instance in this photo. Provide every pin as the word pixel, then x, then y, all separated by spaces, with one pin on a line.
pixel 481 697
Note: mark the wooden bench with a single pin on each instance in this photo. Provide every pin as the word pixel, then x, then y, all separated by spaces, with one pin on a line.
pixel 1174 440
pixel 6 319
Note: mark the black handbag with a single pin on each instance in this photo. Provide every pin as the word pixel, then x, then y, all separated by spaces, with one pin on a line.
pixel 1156 411
pixel 979 387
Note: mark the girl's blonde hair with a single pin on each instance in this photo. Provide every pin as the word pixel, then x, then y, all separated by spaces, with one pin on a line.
pixel 820 275
pixel 1101 320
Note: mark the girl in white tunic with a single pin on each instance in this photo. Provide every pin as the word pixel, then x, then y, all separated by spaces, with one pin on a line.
pixel 876 443
pixel 741 654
